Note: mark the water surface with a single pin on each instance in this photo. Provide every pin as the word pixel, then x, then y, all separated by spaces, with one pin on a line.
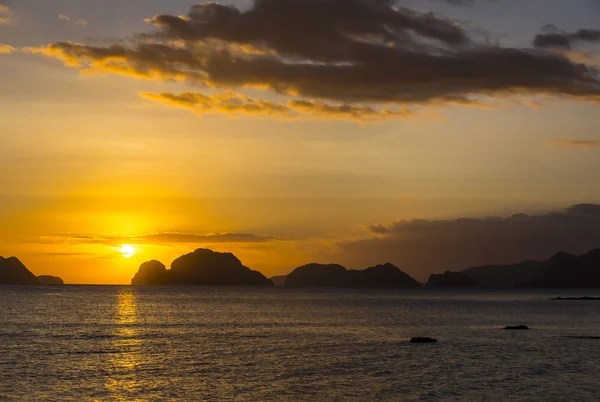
pixel 130 344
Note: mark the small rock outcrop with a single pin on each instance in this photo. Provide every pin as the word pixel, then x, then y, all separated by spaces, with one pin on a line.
pixel 517 327
pixel 452 279
pixel 336 276
pixel 50 280
pixel 202 267
pixel 423 340
pixel 13 272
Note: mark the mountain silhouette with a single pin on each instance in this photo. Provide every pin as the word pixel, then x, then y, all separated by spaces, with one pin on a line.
pixel 452 279
pixel 336 276
pixel 13 272
pixel 202 267
pixel 505 276
pixel 568 270
pixel 561 270
pixel 381 276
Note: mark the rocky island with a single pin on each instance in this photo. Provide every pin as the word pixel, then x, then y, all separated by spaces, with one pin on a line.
pixel 336 276
pixel 200 268
pixel 13 272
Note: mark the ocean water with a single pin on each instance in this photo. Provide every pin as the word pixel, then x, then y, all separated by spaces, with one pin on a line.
pixel 145 344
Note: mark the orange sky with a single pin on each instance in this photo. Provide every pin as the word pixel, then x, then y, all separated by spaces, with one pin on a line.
pixel 94 155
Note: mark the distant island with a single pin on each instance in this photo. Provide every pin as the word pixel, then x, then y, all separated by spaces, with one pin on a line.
pixel 13 272
pixel 561 270
pixel 452 279
pixel 336 276
pixel 202 267
pixel 205 267
pixel 50 280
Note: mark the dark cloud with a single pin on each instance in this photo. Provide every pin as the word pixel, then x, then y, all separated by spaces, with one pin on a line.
pixel 346 51
pixel 160 238
pixel 464 3
pixel 565 40
pixel 424 246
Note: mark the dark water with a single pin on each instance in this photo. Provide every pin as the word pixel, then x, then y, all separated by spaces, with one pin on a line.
pixel 120 343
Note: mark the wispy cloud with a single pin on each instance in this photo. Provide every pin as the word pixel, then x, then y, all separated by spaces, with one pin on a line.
pixel 5 14
pixel 231 103
pixel 577 143
pixel 82 23
pixel 6 49
pixel 158 238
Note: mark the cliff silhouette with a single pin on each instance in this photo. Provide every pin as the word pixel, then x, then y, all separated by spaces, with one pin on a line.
pixel 202 267
pixel 13 272
pixel 336 276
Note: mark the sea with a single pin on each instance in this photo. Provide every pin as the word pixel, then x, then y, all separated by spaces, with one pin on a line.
pixel 120 343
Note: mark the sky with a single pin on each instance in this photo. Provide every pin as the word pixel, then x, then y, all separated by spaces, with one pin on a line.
pixel 432 134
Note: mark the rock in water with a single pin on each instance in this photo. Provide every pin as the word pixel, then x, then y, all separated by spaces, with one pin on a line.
pixel 423 340
pixel 517 327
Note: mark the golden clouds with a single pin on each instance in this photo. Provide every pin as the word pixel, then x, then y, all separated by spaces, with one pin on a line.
pixel 235 103
pixel 5 14
pixel 6 49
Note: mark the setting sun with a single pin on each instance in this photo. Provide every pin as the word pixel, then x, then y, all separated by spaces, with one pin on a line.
pixel 127 251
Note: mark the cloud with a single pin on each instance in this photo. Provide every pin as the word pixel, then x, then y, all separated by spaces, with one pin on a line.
pixel 348 52
pixel 6 49
pixel 81 23
pixel 159 238
pixel 463 3
pixel 565 40
pixel 578 143
pixel 5 14
pixel 231 103
pixel 424 246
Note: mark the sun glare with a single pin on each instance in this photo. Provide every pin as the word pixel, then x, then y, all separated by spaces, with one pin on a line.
pixel 127 251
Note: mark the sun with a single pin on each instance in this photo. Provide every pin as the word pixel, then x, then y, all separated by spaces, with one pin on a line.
pixel 127 251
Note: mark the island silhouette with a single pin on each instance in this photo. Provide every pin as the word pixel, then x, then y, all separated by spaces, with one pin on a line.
pixel 13 272
pixel 561 270
pixel 333 275
pixel 205 267
pixel 202 267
